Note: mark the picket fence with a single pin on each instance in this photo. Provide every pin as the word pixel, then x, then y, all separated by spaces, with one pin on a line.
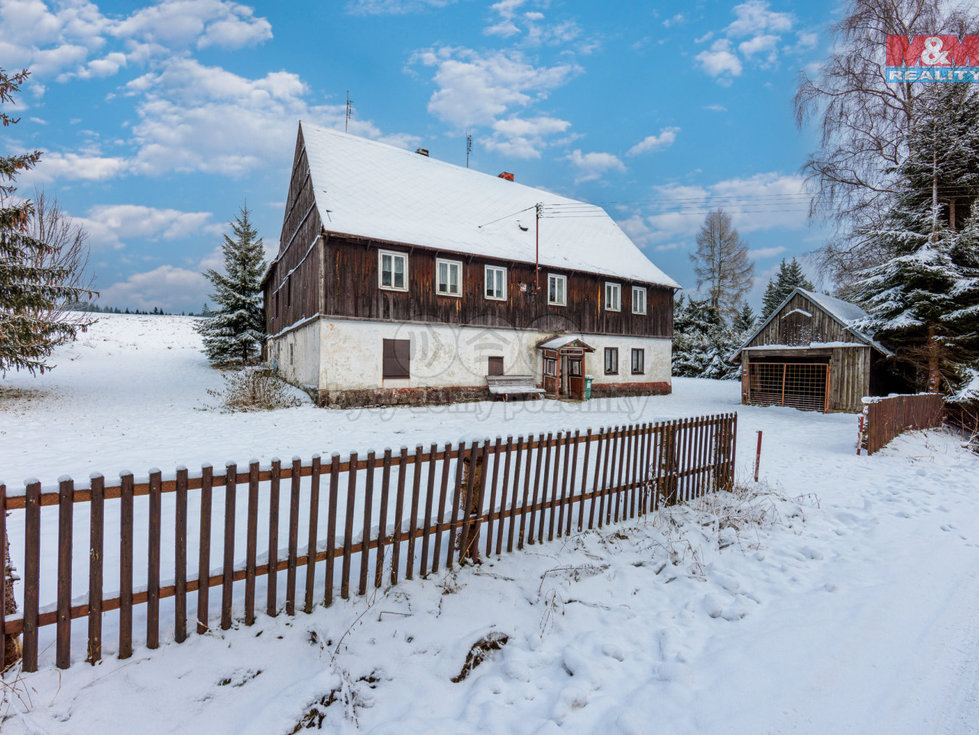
pixel 395 515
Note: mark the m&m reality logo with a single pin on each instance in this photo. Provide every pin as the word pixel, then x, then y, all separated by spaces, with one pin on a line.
pixel 938 58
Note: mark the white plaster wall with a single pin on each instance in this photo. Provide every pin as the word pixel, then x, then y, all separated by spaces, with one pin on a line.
pixel 301 366
pixel 446 355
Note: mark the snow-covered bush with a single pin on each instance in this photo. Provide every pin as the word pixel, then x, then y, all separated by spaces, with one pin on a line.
pixel 256 389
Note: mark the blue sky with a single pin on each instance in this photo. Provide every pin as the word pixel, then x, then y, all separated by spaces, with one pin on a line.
pixel 158 121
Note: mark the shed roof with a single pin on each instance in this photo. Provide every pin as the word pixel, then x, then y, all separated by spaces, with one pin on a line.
pixel 369 189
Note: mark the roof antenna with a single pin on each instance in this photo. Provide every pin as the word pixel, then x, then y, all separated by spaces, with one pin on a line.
pixel 469 147
pixel 346 121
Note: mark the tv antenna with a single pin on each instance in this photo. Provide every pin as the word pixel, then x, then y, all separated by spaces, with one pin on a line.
pixel 469 147
pixel 350 108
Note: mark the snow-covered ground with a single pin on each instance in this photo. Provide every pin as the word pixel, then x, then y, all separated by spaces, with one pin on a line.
pixel 841 597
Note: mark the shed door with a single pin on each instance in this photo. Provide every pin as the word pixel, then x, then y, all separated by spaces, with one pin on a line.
pixel 799 385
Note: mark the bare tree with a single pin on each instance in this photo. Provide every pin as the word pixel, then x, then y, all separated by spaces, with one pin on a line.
pixel 68 253
pixel 721 262
pixel 864 121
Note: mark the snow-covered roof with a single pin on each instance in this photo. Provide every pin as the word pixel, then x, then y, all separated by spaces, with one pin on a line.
pixel 556 343
pixel 844 312
pixel 370 189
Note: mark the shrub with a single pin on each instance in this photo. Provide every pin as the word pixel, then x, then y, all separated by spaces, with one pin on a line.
pixel 255 389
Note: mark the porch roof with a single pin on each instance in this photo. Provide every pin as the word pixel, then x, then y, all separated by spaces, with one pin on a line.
pixel 558 343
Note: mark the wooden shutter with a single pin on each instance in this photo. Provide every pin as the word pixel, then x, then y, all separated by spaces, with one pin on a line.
pixel 396 361
pixel 494 366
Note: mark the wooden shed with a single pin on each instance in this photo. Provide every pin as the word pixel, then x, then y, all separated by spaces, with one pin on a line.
pixel 809 355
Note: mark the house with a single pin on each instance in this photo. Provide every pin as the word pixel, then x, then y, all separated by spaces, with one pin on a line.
pixel 404 279
pixel 809 355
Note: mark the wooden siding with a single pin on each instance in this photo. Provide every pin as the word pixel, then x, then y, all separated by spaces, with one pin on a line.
pixel 351 290
pixel 849 378
pixel 824 327
pixel 292 286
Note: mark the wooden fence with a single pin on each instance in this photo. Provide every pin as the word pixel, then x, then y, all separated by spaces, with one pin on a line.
pixel 885 418
pixel 397 515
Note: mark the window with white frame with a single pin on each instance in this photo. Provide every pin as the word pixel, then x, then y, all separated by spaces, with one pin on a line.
pixel 496 283
pixel 448 277
pixel 613 297
pixel 557 290
pixel 392 270
pixel 638 299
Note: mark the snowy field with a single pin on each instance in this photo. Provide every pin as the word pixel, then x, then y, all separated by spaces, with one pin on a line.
pixel 837 596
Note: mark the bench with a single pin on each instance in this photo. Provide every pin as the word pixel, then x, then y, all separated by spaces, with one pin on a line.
pixel 513 385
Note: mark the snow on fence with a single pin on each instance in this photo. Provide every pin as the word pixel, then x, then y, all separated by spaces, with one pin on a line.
pixel 399 514
pixel 885 418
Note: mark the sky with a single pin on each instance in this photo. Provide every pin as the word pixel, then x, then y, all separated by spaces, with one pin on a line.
pixel 158 122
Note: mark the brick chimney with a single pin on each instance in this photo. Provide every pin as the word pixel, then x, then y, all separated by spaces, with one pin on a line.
pixel 505 175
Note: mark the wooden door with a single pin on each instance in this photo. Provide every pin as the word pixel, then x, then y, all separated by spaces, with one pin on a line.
pixel 576 377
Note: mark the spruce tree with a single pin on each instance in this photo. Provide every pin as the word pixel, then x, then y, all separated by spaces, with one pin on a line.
pixel 234 329
pixel 788 278
pixel 745 322
pixel 31 291
pixel 924 300
pixel 702 341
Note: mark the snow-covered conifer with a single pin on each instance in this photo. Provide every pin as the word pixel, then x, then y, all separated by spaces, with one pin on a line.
pixel 234 329
pixel 924 300
pixel 32 290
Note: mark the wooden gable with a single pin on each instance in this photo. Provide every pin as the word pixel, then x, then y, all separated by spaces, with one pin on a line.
pixel 800 322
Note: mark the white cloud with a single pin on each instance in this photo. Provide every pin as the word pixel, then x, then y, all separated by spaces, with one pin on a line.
pixel 110 226
pixel 715 108
pixel 665 138
pixel 761 202
pixel 201 118
pixel 524 137
pixel 62 41
pixel 761 28
pixel 763 44
pixel 479 89
pixel 674 20
pixel 531 25
pixel 201 23
pixel 85 167
pixel 593 166
pixel 719 59
pixel 754 17
pixel 393 7
pixel 761 253
pixel 166 287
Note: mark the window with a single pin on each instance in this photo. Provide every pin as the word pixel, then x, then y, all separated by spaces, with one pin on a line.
pixel 638 361
pixel 638 300
pixel 393 270
pixel 611 360
pixel 557 290
pixel 494 366
pixel 550 367
pixel 613 297
pixel 396 361
pixel 495 283
pixel 448 277
pixel 574 367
